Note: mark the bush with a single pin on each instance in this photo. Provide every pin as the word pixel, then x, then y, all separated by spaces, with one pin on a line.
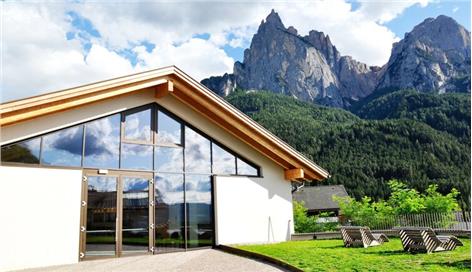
pixel 305 223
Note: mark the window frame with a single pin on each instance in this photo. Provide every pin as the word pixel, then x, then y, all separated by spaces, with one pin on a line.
pixel 151 127
pixel 154 107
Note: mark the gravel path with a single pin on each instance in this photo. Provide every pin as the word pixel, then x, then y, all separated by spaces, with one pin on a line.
pixel 197 260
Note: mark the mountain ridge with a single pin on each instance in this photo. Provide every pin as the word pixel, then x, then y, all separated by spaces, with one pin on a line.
pixel 311 68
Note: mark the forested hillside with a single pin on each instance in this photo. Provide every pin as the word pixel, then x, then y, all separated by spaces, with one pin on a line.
pixel 364 154
pixel 448 112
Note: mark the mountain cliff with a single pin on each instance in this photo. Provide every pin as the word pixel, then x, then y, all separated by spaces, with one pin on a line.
pixel 434 56
pixel 309 67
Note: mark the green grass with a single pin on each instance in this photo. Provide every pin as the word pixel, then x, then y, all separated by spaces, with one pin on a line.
pixel 331 255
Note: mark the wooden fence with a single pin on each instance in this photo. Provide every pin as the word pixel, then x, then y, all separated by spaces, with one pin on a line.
pixel 438 221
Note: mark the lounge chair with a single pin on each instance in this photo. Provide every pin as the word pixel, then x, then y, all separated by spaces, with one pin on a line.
pixel 361 236
pixel 425 240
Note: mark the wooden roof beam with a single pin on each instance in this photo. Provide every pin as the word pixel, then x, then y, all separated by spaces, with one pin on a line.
pixel 164 89
pixel 294 174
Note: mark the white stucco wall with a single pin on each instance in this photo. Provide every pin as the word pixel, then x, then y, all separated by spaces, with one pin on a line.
pixel 252 210
pixel 40 217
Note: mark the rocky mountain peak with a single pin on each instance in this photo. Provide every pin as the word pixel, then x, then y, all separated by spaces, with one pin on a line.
pixel 323 44
pixel 273 20
pixel 434 56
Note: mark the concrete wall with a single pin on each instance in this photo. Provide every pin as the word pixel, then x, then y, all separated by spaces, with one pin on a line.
pixel 40 217
pixel 252 210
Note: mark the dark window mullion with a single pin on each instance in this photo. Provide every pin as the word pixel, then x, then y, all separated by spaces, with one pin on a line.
pixel 83 145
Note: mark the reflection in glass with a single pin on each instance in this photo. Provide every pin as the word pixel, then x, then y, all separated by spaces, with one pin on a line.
pixel 136 156
pixel 63 148
pixel 169 212
pixel 135 214
pixel 168 129
pixel 102 142
pixel 246 169
pixel 101 216
pixel 199 210
pixel 197 152
pixel 138 126
pixel 25 152
pixel 223 162
pixel 169 159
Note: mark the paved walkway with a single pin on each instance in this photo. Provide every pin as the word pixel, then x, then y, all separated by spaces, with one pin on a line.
pixel 197 260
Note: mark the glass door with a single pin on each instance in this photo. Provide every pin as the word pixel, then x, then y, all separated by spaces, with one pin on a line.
pixel 136 218
pixel 101 215
pixel 116 215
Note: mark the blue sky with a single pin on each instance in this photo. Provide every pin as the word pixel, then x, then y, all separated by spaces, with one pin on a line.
pixel 459 10
pixel 62 45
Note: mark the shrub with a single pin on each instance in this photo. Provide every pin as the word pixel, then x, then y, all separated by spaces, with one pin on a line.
pixel 305 223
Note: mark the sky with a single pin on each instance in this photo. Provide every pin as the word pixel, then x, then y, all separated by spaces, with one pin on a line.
pixel 49 46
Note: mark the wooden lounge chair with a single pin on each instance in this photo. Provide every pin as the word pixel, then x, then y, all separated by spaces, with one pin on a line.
pixel 361 236
pixel 425 240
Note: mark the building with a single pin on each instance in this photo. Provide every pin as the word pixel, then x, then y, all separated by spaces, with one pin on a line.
pixel 152 162
pixel 319 199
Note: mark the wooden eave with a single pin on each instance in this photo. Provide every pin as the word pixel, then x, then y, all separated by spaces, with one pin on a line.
pixel 170 81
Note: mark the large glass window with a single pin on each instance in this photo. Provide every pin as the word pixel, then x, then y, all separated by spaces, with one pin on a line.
pixel 102 143
pixel 138 126
pixel 136 156
pixel 126 141
pixel 168 130
pixel 224 163
pixel 23 152
pixel 169 212
pixel 197 152
pixel 169 159
pixel 63 148
pixel 135 214
pixel 199 210
pixel 246 169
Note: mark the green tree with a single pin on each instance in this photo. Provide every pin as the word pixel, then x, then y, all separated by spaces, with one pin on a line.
pixel 303 222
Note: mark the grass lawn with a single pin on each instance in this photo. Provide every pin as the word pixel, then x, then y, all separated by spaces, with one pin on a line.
pixel 331 255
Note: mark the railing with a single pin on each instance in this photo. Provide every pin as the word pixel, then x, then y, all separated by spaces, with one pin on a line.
pixel 438 221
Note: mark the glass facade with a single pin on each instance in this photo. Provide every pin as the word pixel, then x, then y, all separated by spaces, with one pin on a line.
pixel 197 152
pixel 223 161
pixel 102 143
pixel 146 139
pixel 169 212
pixel 138 126
pixel 135 233
pixel 199 210
pixel 63 147
pixel 22 152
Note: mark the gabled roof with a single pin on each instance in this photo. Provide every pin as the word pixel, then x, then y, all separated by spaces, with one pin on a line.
pixel 170 81
pixel 320 197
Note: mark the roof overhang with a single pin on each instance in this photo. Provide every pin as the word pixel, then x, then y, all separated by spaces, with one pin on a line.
pixel 170 81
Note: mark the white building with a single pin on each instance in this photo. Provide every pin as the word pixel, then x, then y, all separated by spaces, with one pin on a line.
pixel 147 163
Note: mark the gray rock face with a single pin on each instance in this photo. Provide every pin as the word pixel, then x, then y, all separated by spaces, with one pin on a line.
pixel 222 85
pixel 309 68
pixel 434 56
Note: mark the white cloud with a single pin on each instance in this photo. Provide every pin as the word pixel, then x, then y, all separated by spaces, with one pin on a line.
pixel 37 57
pixel 357 33
pixel 385 11
pixel 198 57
